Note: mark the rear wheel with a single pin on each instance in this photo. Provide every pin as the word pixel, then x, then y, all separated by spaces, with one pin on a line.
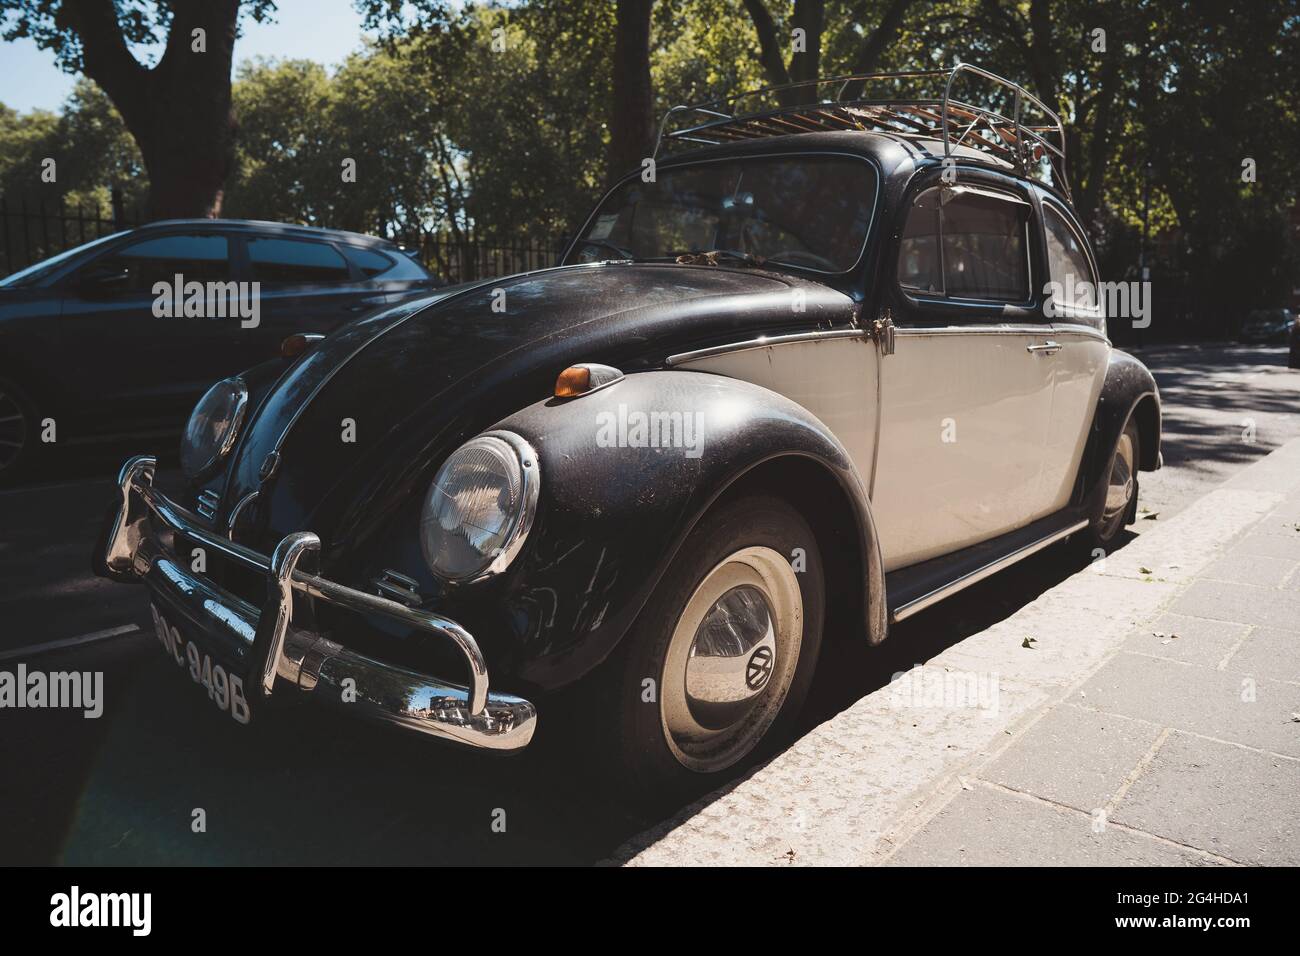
pixel 716 668
pixel 1120 504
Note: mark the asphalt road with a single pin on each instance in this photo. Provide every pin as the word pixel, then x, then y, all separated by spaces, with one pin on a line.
pixel 311 787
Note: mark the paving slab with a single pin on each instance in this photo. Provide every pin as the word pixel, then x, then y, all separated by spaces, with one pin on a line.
pixel 984 827
pixel 1097 751
pixel 1253 711
pixel 1236 803
pixel 1261 571
pixel 1242 603
pixel 1270 652
pixel 1192 640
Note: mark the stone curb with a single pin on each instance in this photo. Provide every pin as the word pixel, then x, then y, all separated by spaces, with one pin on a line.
pixel 857 786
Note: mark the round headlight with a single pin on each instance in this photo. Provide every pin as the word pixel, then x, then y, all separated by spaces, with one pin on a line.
pixel 213 425
pixel 480 506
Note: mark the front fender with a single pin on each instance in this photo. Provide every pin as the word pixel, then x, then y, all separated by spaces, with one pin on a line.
pixel 615 510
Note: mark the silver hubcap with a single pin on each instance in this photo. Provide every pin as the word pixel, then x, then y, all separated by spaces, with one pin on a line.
pixel 731 659
pixel 13 429
pixel 1119 492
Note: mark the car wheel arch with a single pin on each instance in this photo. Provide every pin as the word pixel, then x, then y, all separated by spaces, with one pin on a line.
pixel 773 442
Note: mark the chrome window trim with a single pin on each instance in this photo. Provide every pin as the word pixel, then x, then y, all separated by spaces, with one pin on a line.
pixel 765 341
pixel 866 236
pixel 985 329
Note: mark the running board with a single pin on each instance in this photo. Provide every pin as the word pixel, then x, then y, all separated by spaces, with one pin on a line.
pixel 923 585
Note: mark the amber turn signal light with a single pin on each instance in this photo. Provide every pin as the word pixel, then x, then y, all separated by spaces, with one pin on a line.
pixel 573 381
pixel 295 345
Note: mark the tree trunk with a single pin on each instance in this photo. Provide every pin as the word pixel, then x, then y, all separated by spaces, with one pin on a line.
pixel 809 16
pixel 631 120
pixel 769 44
pixel 179 112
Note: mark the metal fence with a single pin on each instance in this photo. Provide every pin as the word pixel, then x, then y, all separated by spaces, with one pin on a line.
pixel 463 260
pixel 35 229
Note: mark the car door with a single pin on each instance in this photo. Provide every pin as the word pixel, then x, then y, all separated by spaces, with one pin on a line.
pixel 140 362
pixel 306 285
pixel 1083 350
pixel 966 393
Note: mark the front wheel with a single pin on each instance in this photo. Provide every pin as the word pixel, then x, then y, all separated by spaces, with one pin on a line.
pixel 717 666
pixel 17 430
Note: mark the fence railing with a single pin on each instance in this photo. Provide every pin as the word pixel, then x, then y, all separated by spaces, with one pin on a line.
pixel 32 230
pixel 463 260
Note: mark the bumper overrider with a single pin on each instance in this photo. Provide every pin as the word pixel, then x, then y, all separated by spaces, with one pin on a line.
pixel 272 651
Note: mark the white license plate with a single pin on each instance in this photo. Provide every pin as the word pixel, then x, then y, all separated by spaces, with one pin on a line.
pixel 225 689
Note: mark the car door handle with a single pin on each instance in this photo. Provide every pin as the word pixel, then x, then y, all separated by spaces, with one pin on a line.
pixel 1047 348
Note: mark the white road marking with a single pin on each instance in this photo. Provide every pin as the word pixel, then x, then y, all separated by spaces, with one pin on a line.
pixel 66 642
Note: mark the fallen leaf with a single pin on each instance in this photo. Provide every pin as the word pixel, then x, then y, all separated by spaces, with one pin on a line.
pixel 1151 516
pixel 1144 570
pixel 1029 642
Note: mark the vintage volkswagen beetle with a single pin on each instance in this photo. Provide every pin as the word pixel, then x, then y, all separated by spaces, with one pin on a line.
pixel 655 480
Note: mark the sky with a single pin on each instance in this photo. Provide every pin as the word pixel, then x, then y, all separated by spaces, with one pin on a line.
pixel 322 30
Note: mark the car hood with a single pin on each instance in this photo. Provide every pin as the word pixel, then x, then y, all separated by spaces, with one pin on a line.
pixel 362 419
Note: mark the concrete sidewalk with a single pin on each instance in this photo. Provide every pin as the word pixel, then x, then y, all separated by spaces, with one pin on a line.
pixel 1144 711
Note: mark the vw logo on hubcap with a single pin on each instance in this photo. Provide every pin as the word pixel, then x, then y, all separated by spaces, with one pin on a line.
pixel 759 668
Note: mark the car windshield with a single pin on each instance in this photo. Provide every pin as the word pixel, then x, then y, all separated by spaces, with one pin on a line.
pixel 34 273
pixel 809 212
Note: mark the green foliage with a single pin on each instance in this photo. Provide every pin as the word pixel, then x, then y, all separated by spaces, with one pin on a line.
pixel 142 22
pixel 453 135
pixel 92 150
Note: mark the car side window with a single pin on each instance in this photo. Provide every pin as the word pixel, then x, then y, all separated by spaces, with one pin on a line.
pixel 966 243
pixel 1068 263
pixel 370 263
pixel 138 266
pixel 295 261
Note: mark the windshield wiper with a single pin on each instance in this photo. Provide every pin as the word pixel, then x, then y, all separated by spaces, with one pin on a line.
pixel 713 257
pixel 618 250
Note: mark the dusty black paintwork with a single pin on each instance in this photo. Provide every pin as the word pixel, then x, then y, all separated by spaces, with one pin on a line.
pixel 420 378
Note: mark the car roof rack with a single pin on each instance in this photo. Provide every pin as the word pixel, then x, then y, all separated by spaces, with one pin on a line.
pixel 1032 149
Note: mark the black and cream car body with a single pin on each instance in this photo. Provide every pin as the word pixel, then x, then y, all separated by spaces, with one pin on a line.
pixel 803 373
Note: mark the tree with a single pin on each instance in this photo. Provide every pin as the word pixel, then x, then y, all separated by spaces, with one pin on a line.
pixel 178 110
pixel 631 120
pixel 808 38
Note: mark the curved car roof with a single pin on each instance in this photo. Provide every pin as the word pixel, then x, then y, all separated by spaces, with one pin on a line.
pixel 890 150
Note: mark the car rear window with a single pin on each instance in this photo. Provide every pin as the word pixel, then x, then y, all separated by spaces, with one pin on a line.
pixel 370 263
pixel 283 261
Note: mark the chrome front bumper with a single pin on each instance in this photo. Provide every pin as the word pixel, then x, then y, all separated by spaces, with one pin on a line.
pixel 269 646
